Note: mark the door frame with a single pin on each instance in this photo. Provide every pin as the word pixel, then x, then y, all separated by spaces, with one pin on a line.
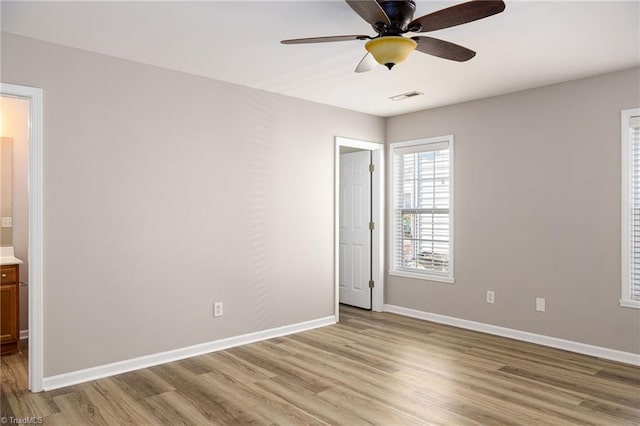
pixel 35 249
pixel 377 203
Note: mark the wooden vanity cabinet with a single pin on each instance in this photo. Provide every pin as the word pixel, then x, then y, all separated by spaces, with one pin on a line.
pixel 9 309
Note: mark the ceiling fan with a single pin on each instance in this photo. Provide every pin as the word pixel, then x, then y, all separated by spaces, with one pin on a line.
pixel 393 18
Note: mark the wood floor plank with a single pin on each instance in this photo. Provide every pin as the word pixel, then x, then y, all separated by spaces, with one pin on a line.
pixel 283 368
pixel 5 407
pixel 78 409
pixel 211 405
pixel 373 412
pixel 490 400
pixel 57 419
pixel 371 368
pixel 172 408
pixel 620 376
pixel 347 352
pixel 616 412
pixel 268 406
pixel 587 386
pixel 116 404
pixel 516 358
pixel 239 368
pixel 142 383
pixel 308 401
pixel 40 403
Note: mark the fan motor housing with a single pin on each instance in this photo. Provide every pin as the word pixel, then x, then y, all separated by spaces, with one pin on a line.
pixel 400 13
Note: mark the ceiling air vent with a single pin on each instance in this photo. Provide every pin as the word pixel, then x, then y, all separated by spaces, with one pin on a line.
pixel 407 95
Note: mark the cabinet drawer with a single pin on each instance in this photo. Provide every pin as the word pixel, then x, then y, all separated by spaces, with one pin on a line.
pixel 9 274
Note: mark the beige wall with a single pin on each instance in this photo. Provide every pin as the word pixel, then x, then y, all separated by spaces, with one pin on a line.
pixel 15 124
pixel 165 192
pixel 537 204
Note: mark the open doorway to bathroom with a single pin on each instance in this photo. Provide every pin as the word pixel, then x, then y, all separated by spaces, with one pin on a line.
pixel 14 235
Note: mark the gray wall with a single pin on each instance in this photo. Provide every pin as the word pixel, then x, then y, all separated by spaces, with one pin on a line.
pixel 165 192
pixel 537 205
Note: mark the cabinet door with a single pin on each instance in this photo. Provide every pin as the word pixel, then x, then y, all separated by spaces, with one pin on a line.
pixel 8 313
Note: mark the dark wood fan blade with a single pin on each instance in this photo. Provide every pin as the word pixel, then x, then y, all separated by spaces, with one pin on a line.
pixel 325 39
pixel 458 14
pixel 443 49
pixel 370 11
pixel 367 63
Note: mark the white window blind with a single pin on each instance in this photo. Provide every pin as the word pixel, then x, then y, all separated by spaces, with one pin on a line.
pixel 422 209
pixel 631 208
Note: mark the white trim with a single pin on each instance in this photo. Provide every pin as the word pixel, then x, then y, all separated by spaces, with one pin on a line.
pixel 554 342
pixel 36 351
pixel 99 372
pixel 377 302
pixel 421 276
pixel 24 334
pixel 630 303
pixel 378 201
pixel 423 147
pixel 413 146
pixel 625 228
pixel 358 144
pixel 423 141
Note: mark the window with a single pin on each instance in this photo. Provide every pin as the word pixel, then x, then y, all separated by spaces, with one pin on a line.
pixel 630 208
pixel 422 209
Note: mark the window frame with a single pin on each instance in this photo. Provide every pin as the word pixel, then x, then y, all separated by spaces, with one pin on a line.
pixel 415 273
pixel 626 228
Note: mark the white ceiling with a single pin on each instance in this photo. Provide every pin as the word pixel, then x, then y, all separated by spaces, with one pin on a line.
pixel 530 44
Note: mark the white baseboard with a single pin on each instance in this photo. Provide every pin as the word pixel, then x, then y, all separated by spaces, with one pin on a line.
pixel 24 334
pixel 554 342
pixel 94 373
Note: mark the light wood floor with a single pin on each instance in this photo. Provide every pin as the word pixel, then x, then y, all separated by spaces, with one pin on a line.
pixel 371 368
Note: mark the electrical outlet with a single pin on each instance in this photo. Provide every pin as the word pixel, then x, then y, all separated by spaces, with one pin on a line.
pixel 540 304
pixel 490 296
pixel 217 309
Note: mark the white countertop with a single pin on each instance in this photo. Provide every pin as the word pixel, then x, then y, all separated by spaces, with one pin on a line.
pixel 7 257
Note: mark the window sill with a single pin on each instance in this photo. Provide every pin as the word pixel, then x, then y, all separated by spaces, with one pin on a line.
pixel 426 277
pixel 630 303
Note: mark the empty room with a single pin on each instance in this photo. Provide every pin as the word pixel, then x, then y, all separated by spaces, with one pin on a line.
pixel 387 212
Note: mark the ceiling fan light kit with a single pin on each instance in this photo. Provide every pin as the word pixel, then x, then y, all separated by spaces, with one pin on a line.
pixel 390 50
pixel 392 18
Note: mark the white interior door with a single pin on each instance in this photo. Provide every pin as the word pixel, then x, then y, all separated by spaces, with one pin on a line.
pixel 355 235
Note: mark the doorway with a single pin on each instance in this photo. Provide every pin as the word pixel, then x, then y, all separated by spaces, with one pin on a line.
pixel 359 224
pixel 25 217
